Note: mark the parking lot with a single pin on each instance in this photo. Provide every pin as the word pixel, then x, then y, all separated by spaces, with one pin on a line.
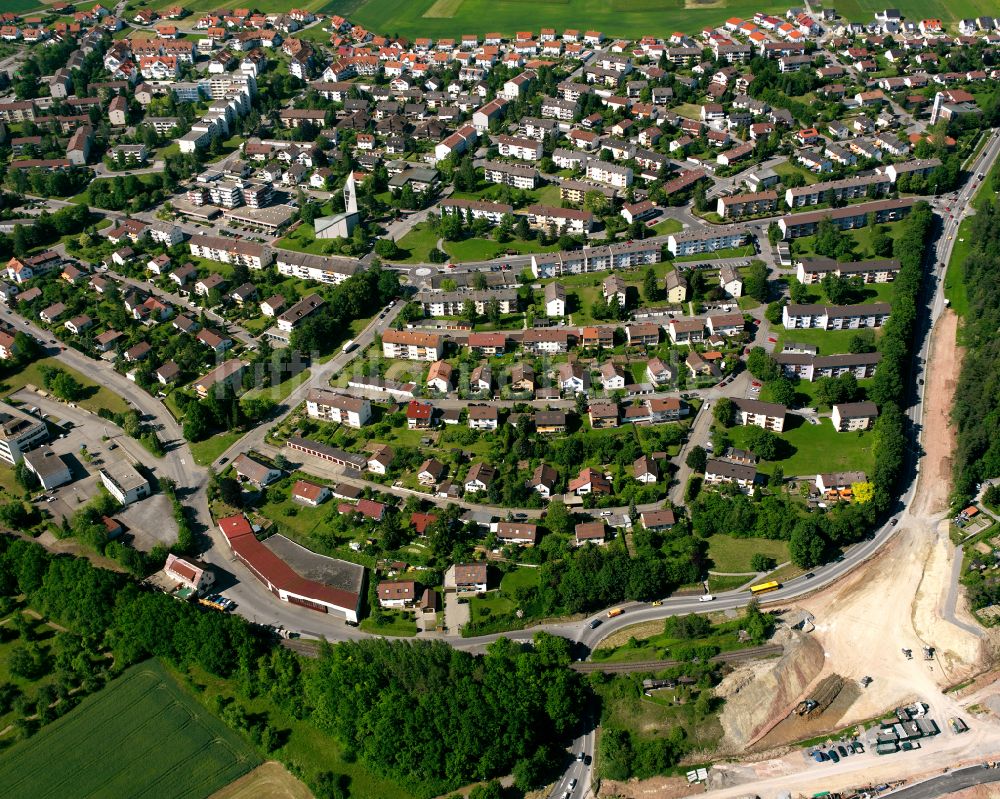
pixel 86 442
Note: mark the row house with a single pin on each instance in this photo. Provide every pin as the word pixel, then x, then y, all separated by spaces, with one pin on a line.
pixel 851 217
pixel 521 149
pixel 231 251
pixel 452 303
pixel 478 209
pixel 568 220
pixel 515 175
pixel 810 367
pixel 813 270
pixel 739 205
pixel 319 268
pixel 853 188
pixel 705 239
pixel 834 317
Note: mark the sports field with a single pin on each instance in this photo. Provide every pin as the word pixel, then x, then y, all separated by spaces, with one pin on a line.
pixel 626 18
pixel 141 736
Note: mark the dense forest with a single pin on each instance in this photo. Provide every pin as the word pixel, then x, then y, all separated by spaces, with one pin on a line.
pixel 431 717
pixel 976 410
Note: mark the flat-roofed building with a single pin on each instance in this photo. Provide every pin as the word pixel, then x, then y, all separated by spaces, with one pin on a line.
pixel 19 432
pixel 124 482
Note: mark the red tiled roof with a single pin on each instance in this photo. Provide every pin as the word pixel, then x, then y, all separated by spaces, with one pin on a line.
pixel 274 570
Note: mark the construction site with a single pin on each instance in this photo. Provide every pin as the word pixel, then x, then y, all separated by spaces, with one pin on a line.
pixel 894 633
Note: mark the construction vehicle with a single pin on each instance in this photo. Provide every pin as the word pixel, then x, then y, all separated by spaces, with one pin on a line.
pixel 866 681
pixel 804 707
pixel 928 653
pixel 908 653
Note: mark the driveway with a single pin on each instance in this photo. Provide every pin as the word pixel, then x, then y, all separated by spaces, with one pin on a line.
pixel 456 614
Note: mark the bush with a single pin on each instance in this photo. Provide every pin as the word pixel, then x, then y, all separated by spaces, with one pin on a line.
pixel 762 563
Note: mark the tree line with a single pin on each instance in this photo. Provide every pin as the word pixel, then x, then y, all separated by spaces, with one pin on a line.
pixel 976 409
pixel 424 714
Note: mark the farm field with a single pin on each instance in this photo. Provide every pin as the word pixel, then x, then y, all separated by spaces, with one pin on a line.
pixel 633 18
pixel 139 736
pixel 271 779
pixel 919 9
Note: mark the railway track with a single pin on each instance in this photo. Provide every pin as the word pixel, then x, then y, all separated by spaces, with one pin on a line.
pixel 589 666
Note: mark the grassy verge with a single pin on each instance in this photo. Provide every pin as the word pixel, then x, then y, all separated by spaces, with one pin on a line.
pixel 205 452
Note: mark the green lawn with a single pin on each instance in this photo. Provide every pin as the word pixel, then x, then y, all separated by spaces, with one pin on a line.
pixel 281 391
pixel 805 245
pixel 98 396
pixel 731 554
pixel 667 226
pixel 724 635
pixel 21 6
pixel 809 449
pixel 523 577
pixel 418 243
pixel 105 746
pixel 303 239
pixel 493 604
pixel 487 249
pixel 395 623
pixel 205 452
pixel 730 252
pixel 786 168
pixel 830 342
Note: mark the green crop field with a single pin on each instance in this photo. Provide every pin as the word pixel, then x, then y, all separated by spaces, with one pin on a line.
pixel 452 18
pixel 141 736
pixel 861 10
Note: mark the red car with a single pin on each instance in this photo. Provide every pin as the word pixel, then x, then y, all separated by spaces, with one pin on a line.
pixel 755 384
pixel 772 339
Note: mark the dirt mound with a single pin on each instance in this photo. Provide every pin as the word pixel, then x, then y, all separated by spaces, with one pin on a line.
pixel 760 694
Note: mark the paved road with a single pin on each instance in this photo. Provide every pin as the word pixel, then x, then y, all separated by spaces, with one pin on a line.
pixel 948 783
